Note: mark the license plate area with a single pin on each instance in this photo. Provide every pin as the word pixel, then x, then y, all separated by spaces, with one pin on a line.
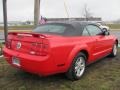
pixel 16 61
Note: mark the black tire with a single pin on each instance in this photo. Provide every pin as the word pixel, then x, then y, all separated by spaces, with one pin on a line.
pixel 71 73
pixel 114 50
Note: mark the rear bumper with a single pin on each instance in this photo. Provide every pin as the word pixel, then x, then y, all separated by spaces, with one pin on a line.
pixel 42 65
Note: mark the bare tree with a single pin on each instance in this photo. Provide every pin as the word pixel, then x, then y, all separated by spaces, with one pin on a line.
pixel 86 13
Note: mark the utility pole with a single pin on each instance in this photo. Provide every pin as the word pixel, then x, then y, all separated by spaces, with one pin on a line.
pixel 36 12
pixel 5 19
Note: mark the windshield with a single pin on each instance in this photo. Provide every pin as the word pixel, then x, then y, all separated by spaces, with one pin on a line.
pixel 59 29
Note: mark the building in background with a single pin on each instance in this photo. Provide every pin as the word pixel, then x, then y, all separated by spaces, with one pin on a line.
pixel 44 20
pixel 93 19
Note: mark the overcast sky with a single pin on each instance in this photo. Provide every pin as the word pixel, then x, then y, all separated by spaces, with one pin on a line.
pixel 23 9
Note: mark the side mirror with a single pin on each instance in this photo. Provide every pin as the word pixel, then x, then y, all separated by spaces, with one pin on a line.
pixel 105 32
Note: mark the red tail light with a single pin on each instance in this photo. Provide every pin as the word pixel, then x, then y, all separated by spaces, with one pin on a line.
pixel 42 49
pixel 8 43
pixel 39 49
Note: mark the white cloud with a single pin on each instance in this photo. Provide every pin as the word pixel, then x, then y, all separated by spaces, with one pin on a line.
pixel 24 9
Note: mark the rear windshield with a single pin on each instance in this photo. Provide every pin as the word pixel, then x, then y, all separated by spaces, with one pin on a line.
pixel 59 29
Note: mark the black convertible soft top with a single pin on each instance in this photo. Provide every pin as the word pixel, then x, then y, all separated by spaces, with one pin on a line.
pixel 68 28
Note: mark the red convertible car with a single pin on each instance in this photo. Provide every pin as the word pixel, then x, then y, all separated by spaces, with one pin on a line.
pixel 59 48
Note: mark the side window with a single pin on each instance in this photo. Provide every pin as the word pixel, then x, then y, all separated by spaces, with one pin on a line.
pixel 93 30
pixel 85 32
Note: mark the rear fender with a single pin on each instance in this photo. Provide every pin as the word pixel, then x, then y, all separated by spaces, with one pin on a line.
pixel 73 53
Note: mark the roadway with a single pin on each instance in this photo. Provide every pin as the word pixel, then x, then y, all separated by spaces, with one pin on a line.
pixel 117 34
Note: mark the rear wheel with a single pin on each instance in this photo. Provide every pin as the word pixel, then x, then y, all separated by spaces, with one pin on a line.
pixel 114 50
pixel 77 68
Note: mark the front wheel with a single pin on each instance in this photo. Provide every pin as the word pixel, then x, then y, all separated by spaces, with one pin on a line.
pixel 77 68
pixel 114 51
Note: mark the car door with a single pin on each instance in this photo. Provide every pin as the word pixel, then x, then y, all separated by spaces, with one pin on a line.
pixel 100 47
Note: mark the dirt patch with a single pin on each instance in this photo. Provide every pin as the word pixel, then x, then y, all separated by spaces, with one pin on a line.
pixel 102 75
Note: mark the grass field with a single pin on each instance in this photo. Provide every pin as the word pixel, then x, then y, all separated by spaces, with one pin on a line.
pixel 26 27
pixel 102 75
pixel 114 26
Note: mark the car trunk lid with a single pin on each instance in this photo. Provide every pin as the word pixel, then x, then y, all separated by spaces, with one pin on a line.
pixel 31 43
